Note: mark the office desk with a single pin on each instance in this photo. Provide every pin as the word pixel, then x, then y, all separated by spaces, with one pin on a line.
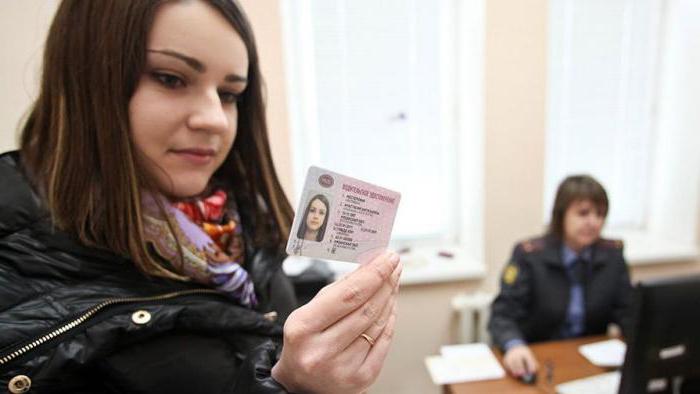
pixel 568 363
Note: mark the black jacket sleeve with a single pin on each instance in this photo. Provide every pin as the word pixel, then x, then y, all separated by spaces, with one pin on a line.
pixel 622 308
pixel 511 305
pixel 255 375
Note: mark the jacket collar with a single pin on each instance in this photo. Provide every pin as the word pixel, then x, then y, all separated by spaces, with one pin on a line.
pixel 551 254
pixel 600 254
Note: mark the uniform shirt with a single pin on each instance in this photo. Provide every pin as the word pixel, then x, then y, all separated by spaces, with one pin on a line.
pixel 575 323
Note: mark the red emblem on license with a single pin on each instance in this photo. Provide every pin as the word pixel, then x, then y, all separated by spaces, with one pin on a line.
pixel 325 180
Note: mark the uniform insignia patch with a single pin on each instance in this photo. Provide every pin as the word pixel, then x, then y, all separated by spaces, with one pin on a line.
pixel 510 274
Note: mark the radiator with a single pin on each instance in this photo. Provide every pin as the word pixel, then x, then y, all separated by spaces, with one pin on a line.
pixel 473 312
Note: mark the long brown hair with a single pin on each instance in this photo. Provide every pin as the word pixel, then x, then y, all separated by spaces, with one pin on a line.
pixel 76 144
pixel 575 188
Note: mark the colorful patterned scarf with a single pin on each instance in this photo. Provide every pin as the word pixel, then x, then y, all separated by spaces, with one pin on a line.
pixel 211 240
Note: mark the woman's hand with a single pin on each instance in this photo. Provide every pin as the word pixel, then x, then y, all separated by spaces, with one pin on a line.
pixel 324 347
pixel 519 360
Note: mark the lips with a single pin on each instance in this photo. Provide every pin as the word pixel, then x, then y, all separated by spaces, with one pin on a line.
pixel 196 155
pixel 196 151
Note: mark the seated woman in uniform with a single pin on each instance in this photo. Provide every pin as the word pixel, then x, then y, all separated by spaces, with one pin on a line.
pixel 568 283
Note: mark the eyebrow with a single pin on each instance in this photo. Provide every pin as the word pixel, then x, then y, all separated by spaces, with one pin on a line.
pixel 196 64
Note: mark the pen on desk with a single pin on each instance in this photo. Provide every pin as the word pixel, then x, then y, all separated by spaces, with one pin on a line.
pixel 549 371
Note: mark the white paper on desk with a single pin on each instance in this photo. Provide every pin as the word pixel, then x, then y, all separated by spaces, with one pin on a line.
pixel 464 363
pixel 609 353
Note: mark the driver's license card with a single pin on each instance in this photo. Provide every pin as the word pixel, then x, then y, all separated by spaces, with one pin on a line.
pixel 342 218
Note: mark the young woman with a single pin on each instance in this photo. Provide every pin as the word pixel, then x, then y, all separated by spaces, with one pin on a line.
pixel 315 219
pixel 566 284
pixel 142 236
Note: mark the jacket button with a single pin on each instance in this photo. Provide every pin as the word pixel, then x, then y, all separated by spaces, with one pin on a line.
pixel 19 384
pixel 141 317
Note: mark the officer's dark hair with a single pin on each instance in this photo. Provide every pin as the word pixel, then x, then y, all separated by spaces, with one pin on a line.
pixel 576 188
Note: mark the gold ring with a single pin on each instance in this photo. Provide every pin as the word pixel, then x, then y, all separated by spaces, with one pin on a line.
pixel 368 338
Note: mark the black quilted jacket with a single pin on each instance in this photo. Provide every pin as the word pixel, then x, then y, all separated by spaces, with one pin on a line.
pixel 80 320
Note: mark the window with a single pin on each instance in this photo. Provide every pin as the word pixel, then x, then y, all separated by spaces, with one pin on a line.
pixel 602 90
pixel 390 92
pixel 616 111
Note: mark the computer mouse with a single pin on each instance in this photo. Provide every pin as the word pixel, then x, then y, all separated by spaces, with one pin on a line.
pixel 528 378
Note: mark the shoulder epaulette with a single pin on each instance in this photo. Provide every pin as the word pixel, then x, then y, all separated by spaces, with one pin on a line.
pixel 532 245
pixel 612 243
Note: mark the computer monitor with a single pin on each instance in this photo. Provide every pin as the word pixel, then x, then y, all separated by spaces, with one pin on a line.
pixel 663 347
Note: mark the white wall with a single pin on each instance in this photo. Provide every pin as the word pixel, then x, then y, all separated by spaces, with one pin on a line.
pixel 23 27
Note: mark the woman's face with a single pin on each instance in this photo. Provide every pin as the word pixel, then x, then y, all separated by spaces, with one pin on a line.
pixel 183 113
pixel 582 224
pixel 316 216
